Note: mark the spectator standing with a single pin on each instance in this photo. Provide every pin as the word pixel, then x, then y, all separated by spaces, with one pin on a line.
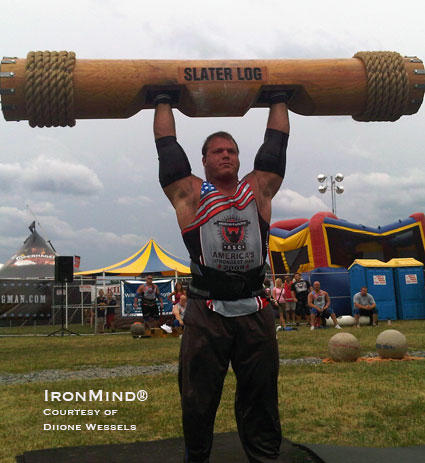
pixel 278 295
pixel 300 289
pixel 110 312
pixel 101 304
pixel 289 300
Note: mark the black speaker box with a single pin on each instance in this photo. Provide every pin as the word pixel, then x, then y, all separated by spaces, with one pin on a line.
pixel 64 269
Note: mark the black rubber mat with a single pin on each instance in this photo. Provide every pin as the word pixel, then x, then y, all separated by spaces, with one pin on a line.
pixel 338 454
pixel 226 449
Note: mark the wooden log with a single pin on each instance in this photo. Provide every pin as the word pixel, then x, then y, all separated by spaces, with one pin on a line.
pixel 105 89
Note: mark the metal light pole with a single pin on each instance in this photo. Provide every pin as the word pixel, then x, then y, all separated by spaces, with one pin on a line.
pixel 335 189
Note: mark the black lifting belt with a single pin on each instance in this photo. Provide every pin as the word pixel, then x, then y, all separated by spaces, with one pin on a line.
pixel 271 156
pixel 173 162
pixel 225 286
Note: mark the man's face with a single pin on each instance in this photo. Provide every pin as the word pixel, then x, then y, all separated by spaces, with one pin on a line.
pixel 316 286
pixel 363 291
pixel 222 159
pixel 149 279
pixel 183 300
pixel 297 277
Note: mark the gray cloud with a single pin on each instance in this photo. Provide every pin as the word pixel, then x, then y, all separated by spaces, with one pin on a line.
pixel 63 177
pixel 289 203
pixel 45 174
pixel 378 198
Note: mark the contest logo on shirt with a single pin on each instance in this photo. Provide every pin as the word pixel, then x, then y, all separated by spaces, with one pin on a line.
pixel 233 233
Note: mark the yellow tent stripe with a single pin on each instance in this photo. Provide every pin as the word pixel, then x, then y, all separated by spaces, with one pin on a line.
pixel 139 265
pixel 166 260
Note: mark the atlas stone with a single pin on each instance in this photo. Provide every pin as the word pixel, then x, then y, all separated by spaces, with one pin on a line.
pixel 391 344
pixel 137 329
pixel 344 347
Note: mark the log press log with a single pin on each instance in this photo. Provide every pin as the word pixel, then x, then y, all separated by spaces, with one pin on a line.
pixel 51 89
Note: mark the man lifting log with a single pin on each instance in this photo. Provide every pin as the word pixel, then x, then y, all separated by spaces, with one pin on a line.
pixel 225 223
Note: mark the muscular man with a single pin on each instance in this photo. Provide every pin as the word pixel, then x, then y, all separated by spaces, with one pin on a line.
pixel 149 292
pixel 225 223
pixel 319 303
pixel 364 304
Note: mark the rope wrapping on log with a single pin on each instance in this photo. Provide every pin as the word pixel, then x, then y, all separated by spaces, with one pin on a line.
pixel 387 86
pixel 49 91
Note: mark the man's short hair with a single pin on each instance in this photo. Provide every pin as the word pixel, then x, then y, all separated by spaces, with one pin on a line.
pixel 365 287
pixel 225 135
pixel 297 273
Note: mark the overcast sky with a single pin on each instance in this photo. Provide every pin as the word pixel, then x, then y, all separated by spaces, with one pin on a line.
pixel 94 187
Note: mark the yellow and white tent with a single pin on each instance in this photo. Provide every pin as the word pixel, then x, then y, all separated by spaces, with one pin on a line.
pixel 150 259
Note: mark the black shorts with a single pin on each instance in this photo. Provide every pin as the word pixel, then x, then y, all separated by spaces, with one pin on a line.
pixel 150 310
pixel 302 308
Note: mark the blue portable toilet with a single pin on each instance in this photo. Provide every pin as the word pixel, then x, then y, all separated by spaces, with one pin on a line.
pixel 379 279
pixel 409 287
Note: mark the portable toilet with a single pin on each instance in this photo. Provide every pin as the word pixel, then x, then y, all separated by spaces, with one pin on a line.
pixel 409 288
pixel 379 279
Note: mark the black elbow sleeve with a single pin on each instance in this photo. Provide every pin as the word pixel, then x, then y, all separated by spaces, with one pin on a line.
pixel 271 156
pixel 173 162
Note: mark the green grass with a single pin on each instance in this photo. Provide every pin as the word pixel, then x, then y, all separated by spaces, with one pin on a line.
pixel 33 329
pixel 75 352
pixel 379 404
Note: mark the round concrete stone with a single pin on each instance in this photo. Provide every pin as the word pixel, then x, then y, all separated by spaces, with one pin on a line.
pixel 137 329
pixel 391 344
pixel 344 347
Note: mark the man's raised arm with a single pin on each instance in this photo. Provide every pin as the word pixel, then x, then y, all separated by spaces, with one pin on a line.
pixel 270 162
pixel 163 123
pixel 175 174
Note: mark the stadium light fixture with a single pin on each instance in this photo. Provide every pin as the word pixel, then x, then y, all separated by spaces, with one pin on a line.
pixel 335 189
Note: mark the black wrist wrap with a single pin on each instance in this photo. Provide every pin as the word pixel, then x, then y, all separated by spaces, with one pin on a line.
pixel 173 162
pixel 162 98
pixel 271 156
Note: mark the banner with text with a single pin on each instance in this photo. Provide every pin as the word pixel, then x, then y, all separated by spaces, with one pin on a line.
pixel 25 299
pixel 128 293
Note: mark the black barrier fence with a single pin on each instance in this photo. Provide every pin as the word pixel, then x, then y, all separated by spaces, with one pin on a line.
pixel 35 306
pixel 35 303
